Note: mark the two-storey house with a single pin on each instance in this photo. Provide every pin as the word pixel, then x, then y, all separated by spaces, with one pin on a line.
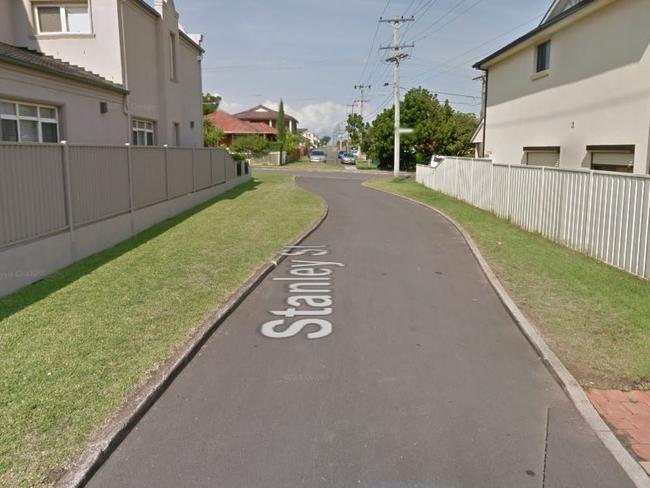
pixel 145 72
pixel 575 91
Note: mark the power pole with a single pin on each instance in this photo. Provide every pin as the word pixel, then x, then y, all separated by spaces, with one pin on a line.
pixel 362 89
pixel 396 59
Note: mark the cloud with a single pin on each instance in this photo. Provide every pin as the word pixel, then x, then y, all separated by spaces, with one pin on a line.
pixel 231 107
pixel 318 117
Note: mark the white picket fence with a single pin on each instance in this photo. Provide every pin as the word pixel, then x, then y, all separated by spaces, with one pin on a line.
pixel 605 215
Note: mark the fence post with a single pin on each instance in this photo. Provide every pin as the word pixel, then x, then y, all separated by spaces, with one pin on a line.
pixel 457 195
pixel 508 213
pixel 491 207
pixel 67 182
pixel 193 173
pixel 129 158
pixel 587 244
pixel 166 146
pixel 540 209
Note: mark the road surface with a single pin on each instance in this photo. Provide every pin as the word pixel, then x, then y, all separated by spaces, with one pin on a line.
pixel 420 380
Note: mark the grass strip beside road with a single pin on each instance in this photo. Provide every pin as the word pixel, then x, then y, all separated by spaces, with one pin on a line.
pixel 75 345
pixel 595 318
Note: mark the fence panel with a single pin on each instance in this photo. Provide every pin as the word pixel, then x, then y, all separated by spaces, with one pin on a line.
pixel 180 178
pixel 230 167
pixel 99 178
pixel 218 160
pixel 32 195
pixel 605 215
pixel 202 169
pixel 148 173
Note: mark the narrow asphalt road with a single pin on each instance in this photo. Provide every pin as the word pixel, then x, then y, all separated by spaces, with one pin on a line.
pixel 415 376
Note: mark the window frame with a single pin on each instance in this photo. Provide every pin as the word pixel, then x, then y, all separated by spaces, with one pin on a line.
pixel 173 58
pixel 547 57
pixel 40 120
pixel 65 28
pixel 149 128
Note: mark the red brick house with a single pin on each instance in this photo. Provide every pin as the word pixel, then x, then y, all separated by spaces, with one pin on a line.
pixel 268 117
pixel 234 128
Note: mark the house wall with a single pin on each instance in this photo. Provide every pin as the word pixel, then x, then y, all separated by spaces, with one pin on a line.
pixel 98 52
pixel 161 98
pixel 6 23
pixel 80 120
pixel 596 91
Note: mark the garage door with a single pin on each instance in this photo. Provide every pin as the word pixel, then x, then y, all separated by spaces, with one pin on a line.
pixel 543 158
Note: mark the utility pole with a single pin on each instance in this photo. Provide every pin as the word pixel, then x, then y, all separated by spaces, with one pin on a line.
pixel 362 101
pixel 396 59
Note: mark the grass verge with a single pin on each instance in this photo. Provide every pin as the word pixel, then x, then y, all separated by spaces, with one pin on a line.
pixel 596 318
pixel 367 165
pixel 305 164
pixel 73 346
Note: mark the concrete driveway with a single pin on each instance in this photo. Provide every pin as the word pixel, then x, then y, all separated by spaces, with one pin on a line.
pixel 420 380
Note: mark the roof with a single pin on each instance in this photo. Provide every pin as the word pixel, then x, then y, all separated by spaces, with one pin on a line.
pixel 29 58
pixel 550 21
pixel 557 7
pixel 232 125
pixel 261 112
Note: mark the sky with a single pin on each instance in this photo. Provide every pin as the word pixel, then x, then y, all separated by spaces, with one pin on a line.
pixel 311 53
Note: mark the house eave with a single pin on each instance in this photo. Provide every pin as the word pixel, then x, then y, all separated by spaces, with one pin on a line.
pixel 555 24
pixel 69 76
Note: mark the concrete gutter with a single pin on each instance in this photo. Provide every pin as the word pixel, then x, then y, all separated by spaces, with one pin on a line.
pixel 110 437
pixel 562 375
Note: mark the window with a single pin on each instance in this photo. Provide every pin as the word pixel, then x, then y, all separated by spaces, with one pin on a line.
pixel 28 123
pixel 542 156
pixel 617 159
pixel 172 57
pixel 143 131
pixel 544 56
pixel 177 134
pixel 62 19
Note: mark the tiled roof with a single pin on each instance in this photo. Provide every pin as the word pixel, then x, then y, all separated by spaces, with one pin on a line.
pixel 256 113
pixel 264 128
pixel 33 59
pixel 232 125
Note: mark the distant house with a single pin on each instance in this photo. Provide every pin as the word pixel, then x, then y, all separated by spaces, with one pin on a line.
pixel 573 92
pixel 108 72
pixel 267 116
pixel 312 138
pixel 235 128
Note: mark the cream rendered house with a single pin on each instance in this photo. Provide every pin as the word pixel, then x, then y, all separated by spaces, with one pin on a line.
pixel 575 91
pixel 136 47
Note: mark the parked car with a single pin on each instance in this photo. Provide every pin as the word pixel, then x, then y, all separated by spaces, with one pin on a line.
pixel 356 152
pixel 317 156
pixel 340 155
pixel 347 158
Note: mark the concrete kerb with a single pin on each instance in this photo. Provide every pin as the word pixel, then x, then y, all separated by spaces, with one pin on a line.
pixel 562 375
pixel 110 437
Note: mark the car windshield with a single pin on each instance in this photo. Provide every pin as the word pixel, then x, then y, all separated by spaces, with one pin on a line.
pixel 318 153
pixel 348 155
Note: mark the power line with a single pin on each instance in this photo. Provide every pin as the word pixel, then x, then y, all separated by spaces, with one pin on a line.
pixel 372 44
pixel 471 7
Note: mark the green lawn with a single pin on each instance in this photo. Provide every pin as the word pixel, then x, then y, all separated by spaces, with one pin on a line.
pixel 73 346
pixel 596 318
pixel 305 164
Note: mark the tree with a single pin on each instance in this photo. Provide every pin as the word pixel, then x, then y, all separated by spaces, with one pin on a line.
pixel 255 146
pixel 356 129
pixel 438 129
pixel 212 135
pixel 210 103
pixel 282 128
pixel 324 141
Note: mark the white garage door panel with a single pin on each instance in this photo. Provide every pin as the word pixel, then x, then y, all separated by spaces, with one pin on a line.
pixel 543 159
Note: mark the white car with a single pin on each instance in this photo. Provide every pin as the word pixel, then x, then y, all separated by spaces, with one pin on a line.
pixel 317 156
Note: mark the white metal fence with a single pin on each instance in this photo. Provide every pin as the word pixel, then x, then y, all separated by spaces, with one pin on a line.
pixel 605 215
